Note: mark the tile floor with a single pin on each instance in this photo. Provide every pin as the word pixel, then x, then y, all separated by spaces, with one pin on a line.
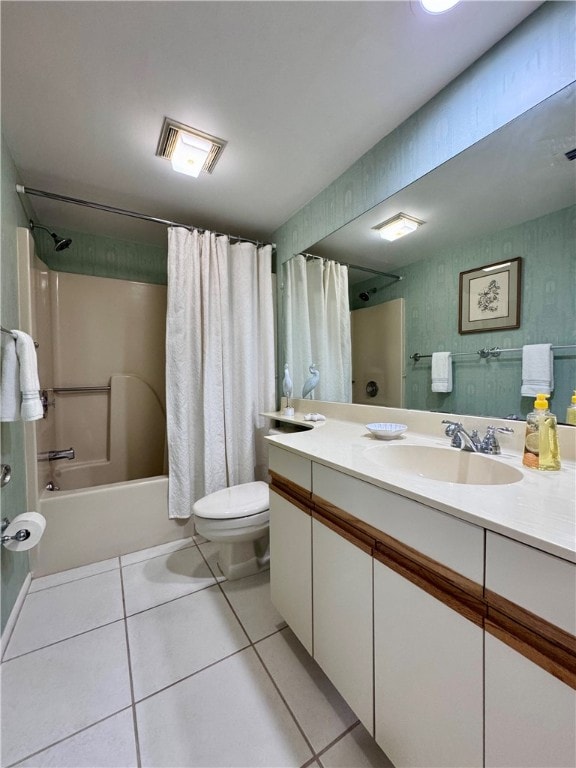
pixel 154 659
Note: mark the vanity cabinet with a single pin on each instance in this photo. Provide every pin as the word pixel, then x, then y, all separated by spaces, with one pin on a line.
pixel 291 542
pixel 428 661
pixel 454 645
pixel 342 599
pixel 530 657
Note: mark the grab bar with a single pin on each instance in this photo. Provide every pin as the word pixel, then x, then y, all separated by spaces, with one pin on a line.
pixel 67 390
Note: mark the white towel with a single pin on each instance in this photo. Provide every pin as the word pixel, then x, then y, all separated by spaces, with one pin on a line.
pixel 10 380
pixel 442 372
pixel 31 406
pixel 537 370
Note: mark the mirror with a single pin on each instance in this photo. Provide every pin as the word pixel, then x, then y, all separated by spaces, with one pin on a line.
pixel 510 195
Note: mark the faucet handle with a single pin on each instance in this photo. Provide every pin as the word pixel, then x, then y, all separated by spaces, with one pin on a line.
pixel 490 444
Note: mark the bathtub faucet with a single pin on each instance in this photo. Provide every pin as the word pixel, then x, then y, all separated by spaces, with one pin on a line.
pixel 67 453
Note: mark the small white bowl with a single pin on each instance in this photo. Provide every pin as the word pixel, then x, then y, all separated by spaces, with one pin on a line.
pixel 386 430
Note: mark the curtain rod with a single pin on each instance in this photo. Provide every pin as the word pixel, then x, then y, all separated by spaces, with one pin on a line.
pixel 122 212
pixel 355 266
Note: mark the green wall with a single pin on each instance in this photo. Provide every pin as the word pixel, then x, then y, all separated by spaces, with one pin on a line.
pixel 104 257
pixel 14 565
pixel 547 246
pixel 530 64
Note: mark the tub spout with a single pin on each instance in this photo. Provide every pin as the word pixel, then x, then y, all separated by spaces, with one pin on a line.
pixel 67 453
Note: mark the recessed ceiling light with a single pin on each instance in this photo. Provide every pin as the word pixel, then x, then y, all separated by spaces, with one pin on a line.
pixel 397 226
pixel 438 6
pixel 190 151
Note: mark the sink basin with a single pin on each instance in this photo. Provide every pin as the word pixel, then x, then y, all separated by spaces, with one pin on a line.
pixel 448 465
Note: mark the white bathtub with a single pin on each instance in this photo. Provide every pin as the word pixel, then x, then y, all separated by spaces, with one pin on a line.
pixel 90 524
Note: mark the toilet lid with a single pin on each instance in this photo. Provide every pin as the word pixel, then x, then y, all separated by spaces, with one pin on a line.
pixel 237 501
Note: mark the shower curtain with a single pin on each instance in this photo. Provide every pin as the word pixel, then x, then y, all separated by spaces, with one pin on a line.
pixel 317 326
pixel 219 364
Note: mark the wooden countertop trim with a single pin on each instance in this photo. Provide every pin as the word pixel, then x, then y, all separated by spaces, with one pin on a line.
pixel 551 657
pixel 467 605
pixel 293 493
pixel 342 528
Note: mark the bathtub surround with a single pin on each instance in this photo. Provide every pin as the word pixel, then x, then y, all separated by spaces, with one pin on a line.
pixel 219 363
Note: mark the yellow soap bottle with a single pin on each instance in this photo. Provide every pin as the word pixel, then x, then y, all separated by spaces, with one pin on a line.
pixel 541 442
pixel 571 411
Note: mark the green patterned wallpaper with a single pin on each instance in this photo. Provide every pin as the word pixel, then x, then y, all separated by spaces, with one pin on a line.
pixel 104 257
pixel 15 566
pixel 547 246
pixel 530 64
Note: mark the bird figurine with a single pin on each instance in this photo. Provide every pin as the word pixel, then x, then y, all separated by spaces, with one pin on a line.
pixel 312 380
pixel 287 383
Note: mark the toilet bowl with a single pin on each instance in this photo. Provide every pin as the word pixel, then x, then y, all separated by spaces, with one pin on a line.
pixel 238 519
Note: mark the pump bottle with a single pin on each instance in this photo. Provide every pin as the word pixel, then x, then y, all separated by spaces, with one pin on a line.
pixel 571 411
pixel 541 442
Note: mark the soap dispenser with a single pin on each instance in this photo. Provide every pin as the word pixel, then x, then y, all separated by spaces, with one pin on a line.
pixel 541 442
pixel 571 411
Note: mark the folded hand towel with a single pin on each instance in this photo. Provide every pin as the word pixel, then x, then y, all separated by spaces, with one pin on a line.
pixel 31 406
pixel 442 372
pixel 10 380
pixel 537 370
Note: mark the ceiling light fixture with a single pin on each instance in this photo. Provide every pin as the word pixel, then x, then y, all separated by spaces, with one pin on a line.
pixel 397 226
pixel 438 6
pixel 190 151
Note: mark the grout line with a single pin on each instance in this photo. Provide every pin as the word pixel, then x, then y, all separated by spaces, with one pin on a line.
pixel 172 600
pixel 65 738
pixel 336 740
pixel 73 581
pixel 192 674
pixel 129 660
pixel 155 557
pixel 63 640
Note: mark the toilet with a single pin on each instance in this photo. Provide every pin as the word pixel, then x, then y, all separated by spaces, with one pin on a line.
pixel 238 519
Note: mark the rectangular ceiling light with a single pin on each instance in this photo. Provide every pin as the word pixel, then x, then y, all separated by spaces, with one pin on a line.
pixel 190 151
pixel 397 226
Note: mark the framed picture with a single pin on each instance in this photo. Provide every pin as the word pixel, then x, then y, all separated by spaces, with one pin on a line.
pixel 490 297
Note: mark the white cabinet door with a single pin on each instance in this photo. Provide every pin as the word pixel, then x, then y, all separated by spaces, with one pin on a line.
pixel 343 618
pixel 428 663
pixel 530 714
pixel 291 566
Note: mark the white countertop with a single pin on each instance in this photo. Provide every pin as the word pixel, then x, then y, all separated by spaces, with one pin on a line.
pixel 539 510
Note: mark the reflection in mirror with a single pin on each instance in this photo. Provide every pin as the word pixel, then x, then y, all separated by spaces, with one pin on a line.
pixel 511 195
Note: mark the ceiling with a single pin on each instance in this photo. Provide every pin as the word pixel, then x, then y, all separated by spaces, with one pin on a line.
pixel 299 90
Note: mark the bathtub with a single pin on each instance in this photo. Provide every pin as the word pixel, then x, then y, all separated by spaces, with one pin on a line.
pixel 86 525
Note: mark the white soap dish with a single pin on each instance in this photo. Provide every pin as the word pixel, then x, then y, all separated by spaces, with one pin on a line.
pixel 386 430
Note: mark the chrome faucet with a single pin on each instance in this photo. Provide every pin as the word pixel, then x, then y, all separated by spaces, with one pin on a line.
pixel 460 438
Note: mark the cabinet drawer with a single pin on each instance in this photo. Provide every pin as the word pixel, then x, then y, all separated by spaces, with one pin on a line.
pixel 456 544
pixel 291 466
pixel 541 583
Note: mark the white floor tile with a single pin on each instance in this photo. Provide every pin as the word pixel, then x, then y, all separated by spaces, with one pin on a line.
pixel 174 640
pixel 250 598
pixel 164 578
pixel 228 715
pixel 161 549
pixel 210 550
pixel 73 574
pixel 66 610
pixel 321 711
pixel 50 694
pixel 109 744
pixel 356 749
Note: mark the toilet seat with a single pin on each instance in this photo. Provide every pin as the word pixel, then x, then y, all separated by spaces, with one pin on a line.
pixel 238 501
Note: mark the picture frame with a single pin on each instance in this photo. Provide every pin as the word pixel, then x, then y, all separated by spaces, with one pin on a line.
pixel 490 297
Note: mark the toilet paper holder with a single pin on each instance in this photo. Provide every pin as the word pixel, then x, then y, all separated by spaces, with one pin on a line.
pixel 20 535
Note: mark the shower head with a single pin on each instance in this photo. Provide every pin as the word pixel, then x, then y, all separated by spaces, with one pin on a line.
pixel 60 243
pixel 365 295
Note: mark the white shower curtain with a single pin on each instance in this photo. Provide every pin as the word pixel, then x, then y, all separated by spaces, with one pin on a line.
pixel 317 326
pixel 219 364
